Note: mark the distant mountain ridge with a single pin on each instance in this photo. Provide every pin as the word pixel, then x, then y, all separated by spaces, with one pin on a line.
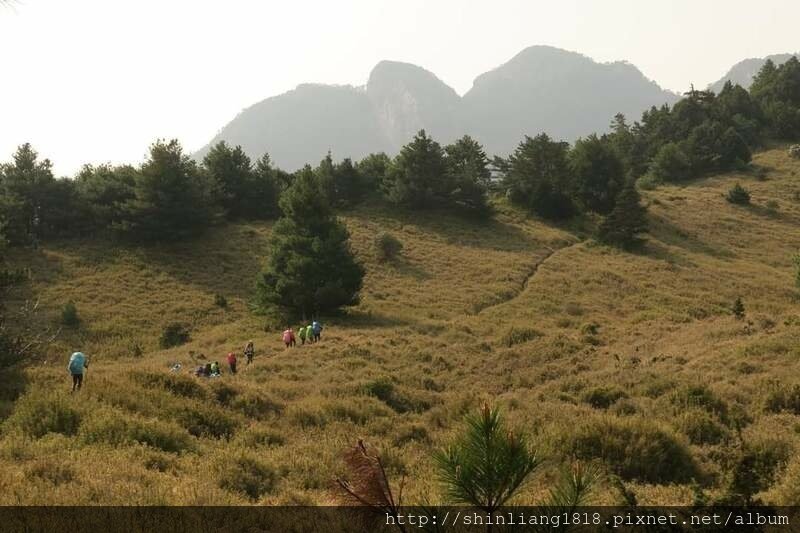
pixel 742 72
pixel 541 89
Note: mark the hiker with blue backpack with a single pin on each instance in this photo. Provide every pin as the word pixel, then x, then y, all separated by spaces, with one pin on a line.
pixel 316 329
pixel 78 363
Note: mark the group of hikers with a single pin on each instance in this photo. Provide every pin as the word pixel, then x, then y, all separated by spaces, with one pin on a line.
pixel 307 334
pixel 212 370
pixel 311 333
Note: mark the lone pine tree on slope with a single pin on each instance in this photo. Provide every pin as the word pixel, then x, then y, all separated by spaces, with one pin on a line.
pixel 627 221
pixel 310 268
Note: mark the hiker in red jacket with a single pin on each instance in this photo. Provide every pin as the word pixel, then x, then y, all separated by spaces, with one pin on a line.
pixel 232 362
pixel 288 337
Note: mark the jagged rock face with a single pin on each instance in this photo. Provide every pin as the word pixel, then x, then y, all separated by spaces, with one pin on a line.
pixel 541 89
pixel 564 94
pixel 742 73
pixel 407 98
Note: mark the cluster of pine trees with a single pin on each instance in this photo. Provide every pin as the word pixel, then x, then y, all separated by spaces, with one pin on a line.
pixel 168 197
pixel 702 133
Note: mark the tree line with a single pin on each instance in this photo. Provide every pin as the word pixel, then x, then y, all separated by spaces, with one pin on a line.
pixel 170 196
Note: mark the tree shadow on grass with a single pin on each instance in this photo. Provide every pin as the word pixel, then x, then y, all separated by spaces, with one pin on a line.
pixel 455 228
pixel 655 249
pixel 406 268
pixel 357 318
pixel 667 233
pixel 13 383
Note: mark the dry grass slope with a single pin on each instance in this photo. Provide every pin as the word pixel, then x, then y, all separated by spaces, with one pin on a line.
pixel 630 359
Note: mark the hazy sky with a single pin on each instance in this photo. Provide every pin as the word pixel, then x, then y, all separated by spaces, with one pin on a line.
pixel 99 80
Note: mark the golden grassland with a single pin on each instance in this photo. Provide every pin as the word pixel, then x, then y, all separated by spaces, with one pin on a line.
pixel 630 359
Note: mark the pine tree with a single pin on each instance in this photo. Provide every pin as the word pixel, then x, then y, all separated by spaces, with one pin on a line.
pixel 538 177
pixel 598 173
pixel 487 464
pixel 265 190
pixel 418 173
pixel 738 308
pixel 232 170
pixel 467 175
pixel 310 268
pixel 373 170
pixel 25 184
pixel 173 198
pixel 627 221
pixel 738 195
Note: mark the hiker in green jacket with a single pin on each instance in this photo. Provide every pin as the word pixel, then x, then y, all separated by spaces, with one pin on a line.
pixel 302 334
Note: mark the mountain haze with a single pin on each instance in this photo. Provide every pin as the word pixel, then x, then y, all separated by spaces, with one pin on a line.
pixel 406 98
pixel 564 94
pixel 742 72
pixel 541 89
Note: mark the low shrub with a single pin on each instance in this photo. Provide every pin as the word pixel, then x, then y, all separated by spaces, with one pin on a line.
pixel 625 407
pixel 346 413
pixel 38 413
pixel 206 421
pixel 160 462
pixel 223 392
pixel 772 206
pixel 787 490
pixel 701 427
pixel 516 336
pixel 50 470
pixel 411 433
pixel 699 396
pixel 432 385
pixel 387 246
pixel 753 468
pixel 738 195
pixel 254 437
pixel 257 406
pixel 384 390
pixel 591 328
pixel 783 399
pixel 633 448
pixel 177 384
pixel 649 182
pixel 174 334
pixel 308 417
pixel 248 476
pixel 69 315
pixel 603 397
pixel 110 427
pixel 220 301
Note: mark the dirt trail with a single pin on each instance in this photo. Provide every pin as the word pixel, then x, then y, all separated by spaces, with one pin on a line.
pixel 528 277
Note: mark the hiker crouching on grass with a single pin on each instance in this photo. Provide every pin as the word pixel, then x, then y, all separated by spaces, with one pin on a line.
pixel 78 363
